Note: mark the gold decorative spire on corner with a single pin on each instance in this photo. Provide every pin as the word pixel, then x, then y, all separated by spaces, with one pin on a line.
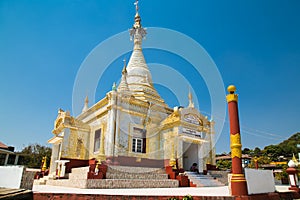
pixel 191 103
pixel 114 87
pixel 86 102
pixel 123 86
pixel 124 71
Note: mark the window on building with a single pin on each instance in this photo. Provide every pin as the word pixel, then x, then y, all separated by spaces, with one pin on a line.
pixel 139 140
pixel 97 140
pixel 137 145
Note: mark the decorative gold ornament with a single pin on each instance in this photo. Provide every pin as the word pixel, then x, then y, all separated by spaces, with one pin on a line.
pixel 231 89
pixel 235 144
pixel 44 161
pixel 232 97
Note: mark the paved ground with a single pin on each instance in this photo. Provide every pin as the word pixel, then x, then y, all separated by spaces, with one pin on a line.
pixel 15 194
pixel 202 191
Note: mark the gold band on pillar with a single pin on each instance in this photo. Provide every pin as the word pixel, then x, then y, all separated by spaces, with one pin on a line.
pixel 235 144
pixel 240 180
pixel 231 97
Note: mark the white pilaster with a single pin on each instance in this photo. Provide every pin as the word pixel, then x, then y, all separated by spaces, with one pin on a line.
pixel 109 139
pixel 54 157
pixel 16 159
pixel 6 159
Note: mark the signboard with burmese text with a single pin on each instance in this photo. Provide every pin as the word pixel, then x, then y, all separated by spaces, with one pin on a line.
pixel 191 132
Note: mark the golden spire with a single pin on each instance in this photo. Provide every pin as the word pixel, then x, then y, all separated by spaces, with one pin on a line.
pixel 114 87
pixel 86 106
pixel 136 3
pixel 137 32
pixel 191 103
pixel 123 86
pixel 124 71
pixel 86 100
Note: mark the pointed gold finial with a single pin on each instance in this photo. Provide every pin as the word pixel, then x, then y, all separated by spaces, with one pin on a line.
pixel 86 104
pixel 44 161
pixel 137 32
pixel 124 71
pixel 136 3
pixel 114 87
pixel 294 159
pixel 191 103
pixel 137 18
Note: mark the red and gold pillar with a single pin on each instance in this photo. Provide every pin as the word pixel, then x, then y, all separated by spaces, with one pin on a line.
pixel 238 181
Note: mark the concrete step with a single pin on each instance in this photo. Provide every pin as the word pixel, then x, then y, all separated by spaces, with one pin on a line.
pixel 115 183
pixel 49 177
pixel 126 175
pixel 39 182
pixel 131 183
pixel 135 169
pixel 75 176
pixel 202 177
pixel 203 180
pixel 79 173
pixel 80 183
pixel 42 181
pixel 207 183
pixel 80 170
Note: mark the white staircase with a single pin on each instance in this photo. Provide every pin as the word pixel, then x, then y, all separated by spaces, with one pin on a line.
pixel 118 177
pixel 203 180
pixel 43 181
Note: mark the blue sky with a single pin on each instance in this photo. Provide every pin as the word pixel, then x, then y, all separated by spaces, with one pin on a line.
pixel 255 45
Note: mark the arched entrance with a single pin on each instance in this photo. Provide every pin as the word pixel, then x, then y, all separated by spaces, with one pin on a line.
pixel 190 155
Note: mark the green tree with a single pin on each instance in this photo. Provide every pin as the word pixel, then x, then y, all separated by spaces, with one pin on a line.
pixel 257 152
pixel 33 155
pixel 224 164
pixel 246 151
pixel 273 152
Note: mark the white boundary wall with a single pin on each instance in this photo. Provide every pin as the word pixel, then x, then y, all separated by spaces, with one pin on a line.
pixel 259 181
pixel 11 176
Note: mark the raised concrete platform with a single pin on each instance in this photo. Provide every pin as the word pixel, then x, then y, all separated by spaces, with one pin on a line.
pixel 118 177
pixel 205 191
pixel 46 192
pixel 114 183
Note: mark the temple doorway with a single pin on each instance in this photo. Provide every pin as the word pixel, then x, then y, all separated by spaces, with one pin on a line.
pixel 190 155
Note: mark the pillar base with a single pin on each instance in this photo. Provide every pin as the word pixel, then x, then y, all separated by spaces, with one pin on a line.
pixel 238 185
pixel 295 188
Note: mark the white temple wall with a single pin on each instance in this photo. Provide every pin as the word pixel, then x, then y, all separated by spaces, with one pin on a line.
pixel 65 143
pixel 96 125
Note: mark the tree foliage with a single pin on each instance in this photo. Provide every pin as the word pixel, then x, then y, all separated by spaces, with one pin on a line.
pixel 224 164
pixel 279 152
pixel 284 149
pixel 270 153
pixel 33 155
